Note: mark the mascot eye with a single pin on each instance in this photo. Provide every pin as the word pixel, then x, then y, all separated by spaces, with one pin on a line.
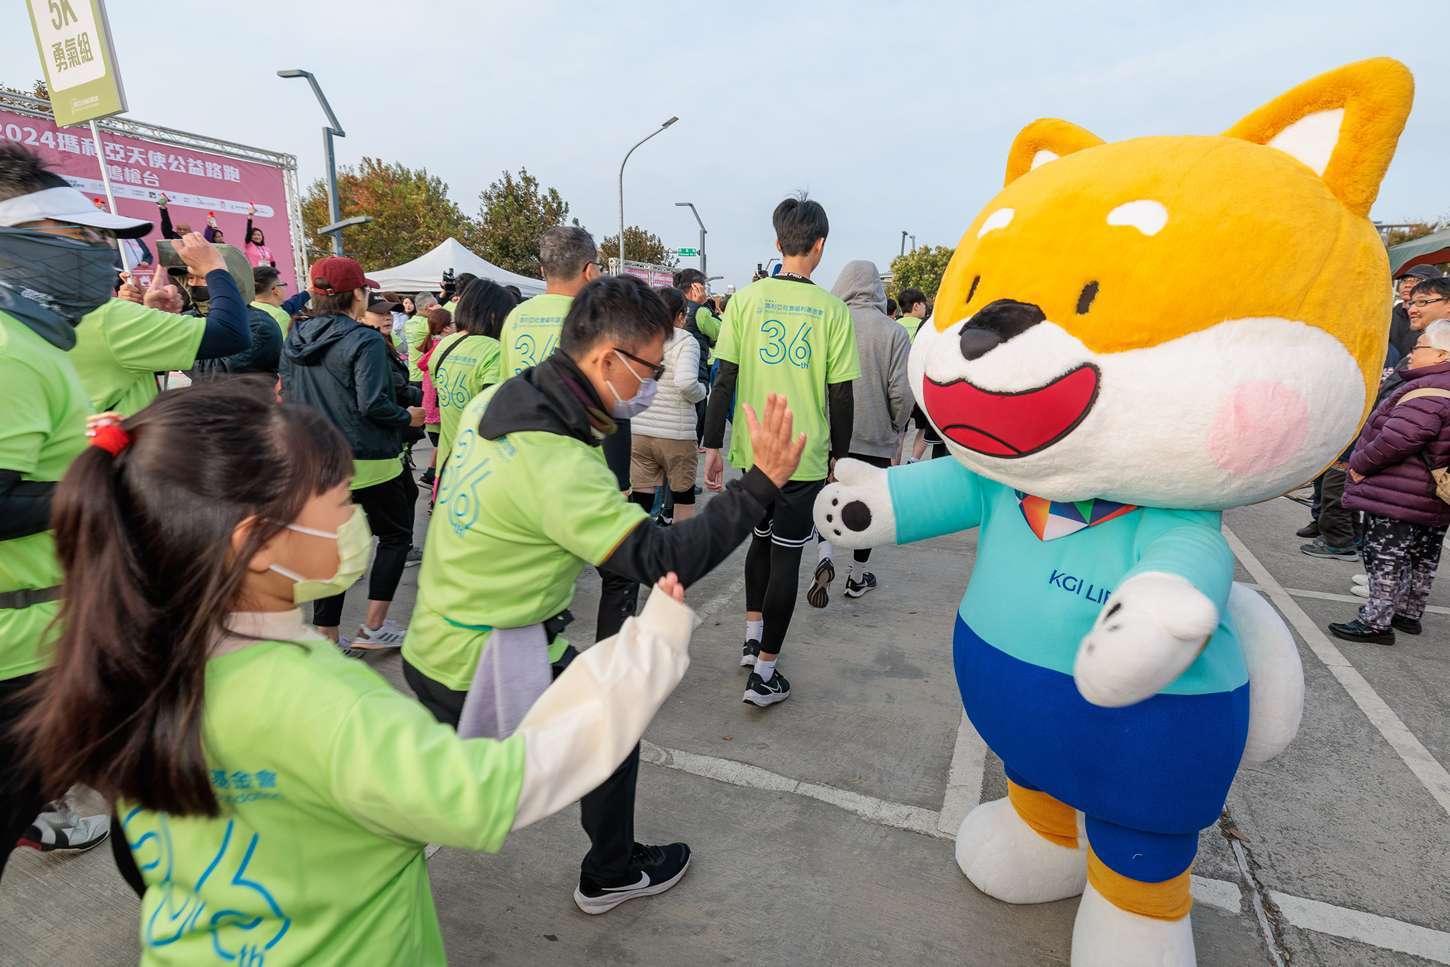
pixel 973 290
pixel 1086 297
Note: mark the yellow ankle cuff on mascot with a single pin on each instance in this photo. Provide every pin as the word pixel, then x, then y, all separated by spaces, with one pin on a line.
pixel 1167 900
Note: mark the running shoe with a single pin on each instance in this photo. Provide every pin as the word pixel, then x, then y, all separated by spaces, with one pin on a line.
pixel 762 693
pixel 819 594
pixel 749 653
pixel 1359 590
pixel 389 635
pixel 1360 579
pixel 1318 548
pixel 652 870
pixel 59 827
pixel 854 588
pixel 415 554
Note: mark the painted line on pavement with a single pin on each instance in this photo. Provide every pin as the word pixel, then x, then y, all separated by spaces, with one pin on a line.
pixel 1325 918
pixel 722 599
pixel 964 778
pixel 1330 596
pixel 1412 751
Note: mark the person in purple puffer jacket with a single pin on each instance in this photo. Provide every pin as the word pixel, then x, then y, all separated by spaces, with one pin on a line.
pixel 1389 479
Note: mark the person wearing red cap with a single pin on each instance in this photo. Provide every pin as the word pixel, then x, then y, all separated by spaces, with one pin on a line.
pixel 333 362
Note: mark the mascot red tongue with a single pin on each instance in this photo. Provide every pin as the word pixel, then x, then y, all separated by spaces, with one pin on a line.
pixel 1104 394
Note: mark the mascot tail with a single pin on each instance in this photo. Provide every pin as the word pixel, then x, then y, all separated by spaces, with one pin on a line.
pixel 1276 677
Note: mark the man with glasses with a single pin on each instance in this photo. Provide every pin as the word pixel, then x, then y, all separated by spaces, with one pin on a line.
pixel 272 298
pixel 1402 335
pixel 528 501
pixel 1429 302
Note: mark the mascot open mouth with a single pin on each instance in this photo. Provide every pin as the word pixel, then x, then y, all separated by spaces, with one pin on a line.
pixel 1012 424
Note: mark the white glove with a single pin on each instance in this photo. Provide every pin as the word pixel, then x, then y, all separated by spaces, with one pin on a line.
pixel 585 723
pixel 855 511
pixel 1148 633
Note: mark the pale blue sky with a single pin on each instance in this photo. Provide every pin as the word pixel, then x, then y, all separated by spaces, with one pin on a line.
pixel 895 116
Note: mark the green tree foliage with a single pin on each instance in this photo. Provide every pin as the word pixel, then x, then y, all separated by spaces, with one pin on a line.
pixel 639 246
pixel 513 213
pixel 411 213
pixel 921 269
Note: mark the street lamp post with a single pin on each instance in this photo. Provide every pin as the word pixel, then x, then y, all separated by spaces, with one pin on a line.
pixel 691 207
pixel 903 242
pixel 641 141
pixel 332 130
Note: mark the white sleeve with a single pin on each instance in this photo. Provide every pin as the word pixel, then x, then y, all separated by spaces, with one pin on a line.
pixel 583 726
pixel 687 372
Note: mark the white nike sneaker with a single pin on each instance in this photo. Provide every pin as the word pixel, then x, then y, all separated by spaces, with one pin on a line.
pixel 653 870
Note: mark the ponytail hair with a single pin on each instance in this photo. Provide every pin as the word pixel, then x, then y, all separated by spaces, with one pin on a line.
pixel 145 541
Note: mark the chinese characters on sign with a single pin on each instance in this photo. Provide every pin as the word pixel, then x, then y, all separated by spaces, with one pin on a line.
pixel 74 43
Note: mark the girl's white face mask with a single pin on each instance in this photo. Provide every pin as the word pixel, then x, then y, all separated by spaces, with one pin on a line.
pixel 354 547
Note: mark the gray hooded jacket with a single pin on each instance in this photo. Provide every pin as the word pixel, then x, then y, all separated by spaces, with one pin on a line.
pixel 882 395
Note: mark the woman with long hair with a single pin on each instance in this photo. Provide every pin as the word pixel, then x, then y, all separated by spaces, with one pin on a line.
pixel 468 362
pixel 275 798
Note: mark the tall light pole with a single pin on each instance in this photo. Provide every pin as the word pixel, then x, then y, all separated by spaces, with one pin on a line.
pixel 691 207
pixel 903 242
pixel 641 141
pixel 332 130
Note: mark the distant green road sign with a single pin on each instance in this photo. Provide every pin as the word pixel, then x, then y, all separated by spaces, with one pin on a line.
pixel 686 252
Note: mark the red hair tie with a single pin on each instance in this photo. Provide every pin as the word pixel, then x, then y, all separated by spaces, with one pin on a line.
pixel 111 437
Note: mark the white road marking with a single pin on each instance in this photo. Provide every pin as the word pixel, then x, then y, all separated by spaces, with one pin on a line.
pixel 1412 752
pixel 1223 895
pixel 964 779
pixel 1366 928
pixel 722 599
pixel 1346 598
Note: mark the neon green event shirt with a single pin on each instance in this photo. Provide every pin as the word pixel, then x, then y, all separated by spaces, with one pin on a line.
pixel 121 346
pixel 466 370
pixel 284 321
pixel 531 331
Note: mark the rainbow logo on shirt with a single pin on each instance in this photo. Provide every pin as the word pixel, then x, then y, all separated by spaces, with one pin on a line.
pixel 1051 519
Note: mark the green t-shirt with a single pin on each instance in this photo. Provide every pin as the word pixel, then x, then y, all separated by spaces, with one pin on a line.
pixel 791 338
pixel 284 321
pixel 911 324
pixel 708 323
pixel 531 331
pixel 415 330
pixel 121 346
pixel 516 521
pixel 466 370
pixel 43 429
pixel 370 473
pixel 330 783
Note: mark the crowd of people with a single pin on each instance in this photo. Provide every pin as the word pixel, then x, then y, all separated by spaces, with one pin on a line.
pixel 567 430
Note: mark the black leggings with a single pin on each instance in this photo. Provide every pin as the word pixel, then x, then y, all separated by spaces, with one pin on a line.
pixel 21 799
pixel 772 581
pixel 389 508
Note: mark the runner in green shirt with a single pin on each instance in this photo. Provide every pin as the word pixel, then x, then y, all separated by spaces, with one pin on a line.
pixel 531 332
pixel 913 310
pixel 275 796
pixel 468 361
pixel 527 500
pixel 415 333
pixel 272 298
pixel 783 335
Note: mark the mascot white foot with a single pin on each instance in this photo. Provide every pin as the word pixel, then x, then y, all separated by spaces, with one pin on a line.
pixel 1006 858
pixel 1107 936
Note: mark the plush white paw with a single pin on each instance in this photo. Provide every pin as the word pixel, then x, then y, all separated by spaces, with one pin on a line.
pixel 1005 858
pixel 1149 631
pixel 1105 936
pixel 855 511
pixel 1276 676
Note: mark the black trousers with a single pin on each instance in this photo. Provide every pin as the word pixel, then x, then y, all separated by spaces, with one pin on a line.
pixel 1336 521
pixel 607 813
pixel 21 799
pixel 389 507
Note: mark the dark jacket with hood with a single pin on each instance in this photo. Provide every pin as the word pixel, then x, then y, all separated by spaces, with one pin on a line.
pixel 1392 448
pixel 346 370
pixel 556 397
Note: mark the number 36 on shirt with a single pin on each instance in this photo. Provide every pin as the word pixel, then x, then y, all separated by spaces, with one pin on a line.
pixel 781 345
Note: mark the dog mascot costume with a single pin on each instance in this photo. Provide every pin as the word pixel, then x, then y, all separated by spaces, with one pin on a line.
pixel 1131 338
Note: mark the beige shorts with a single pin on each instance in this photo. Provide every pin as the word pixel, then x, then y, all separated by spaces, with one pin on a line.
pixel 653 461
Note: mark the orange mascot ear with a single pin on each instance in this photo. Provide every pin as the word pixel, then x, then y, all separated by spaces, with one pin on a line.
pixel 1044 140
pixel 1344 125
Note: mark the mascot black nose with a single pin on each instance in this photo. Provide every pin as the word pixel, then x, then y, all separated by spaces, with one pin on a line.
pixel 996 323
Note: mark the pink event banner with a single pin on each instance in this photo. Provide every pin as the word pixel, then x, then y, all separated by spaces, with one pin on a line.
pixel 195 181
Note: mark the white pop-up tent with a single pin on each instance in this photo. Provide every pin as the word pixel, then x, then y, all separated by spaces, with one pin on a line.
pixel 424 273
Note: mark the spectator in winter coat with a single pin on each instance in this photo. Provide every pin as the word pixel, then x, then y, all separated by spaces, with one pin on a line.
pixel 1390 480
pixel 662 442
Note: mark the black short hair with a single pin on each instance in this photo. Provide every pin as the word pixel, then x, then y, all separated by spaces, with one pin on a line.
pixel 513 290
pixel 264 277
pixel 1437 287
pixel 482 308
pixel 618 307
pixel 23 172
pixel 908 298
pixel 673 299
pixel 688 277
pixel 799 222
pixel 890 306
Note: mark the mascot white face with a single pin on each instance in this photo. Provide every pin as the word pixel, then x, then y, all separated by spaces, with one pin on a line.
pixel 1195 322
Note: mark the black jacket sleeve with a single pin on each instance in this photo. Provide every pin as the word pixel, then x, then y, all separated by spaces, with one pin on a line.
pixel 227 332
pixel 294 304
pixel 166 230
pixel 842 409
pixel 376 399
pixel 693 548
pixel 721 396
pixel 24 505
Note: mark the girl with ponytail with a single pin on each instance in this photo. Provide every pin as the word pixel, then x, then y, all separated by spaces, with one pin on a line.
pixel 274 796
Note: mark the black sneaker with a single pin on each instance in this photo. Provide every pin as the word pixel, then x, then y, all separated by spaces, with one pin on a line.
pixel 427 478
pixel 1410 626
pixel 854 588
pixel 749 653
pixel 819 594
pixel 414 558
pixel 1357 630
pixel 762 693
pixel 1310 529
pixel 653 869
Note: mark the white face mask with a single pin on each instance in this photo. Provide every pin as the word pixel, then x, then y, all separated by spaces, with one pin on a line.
pixel 354 547
pixel 625 409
